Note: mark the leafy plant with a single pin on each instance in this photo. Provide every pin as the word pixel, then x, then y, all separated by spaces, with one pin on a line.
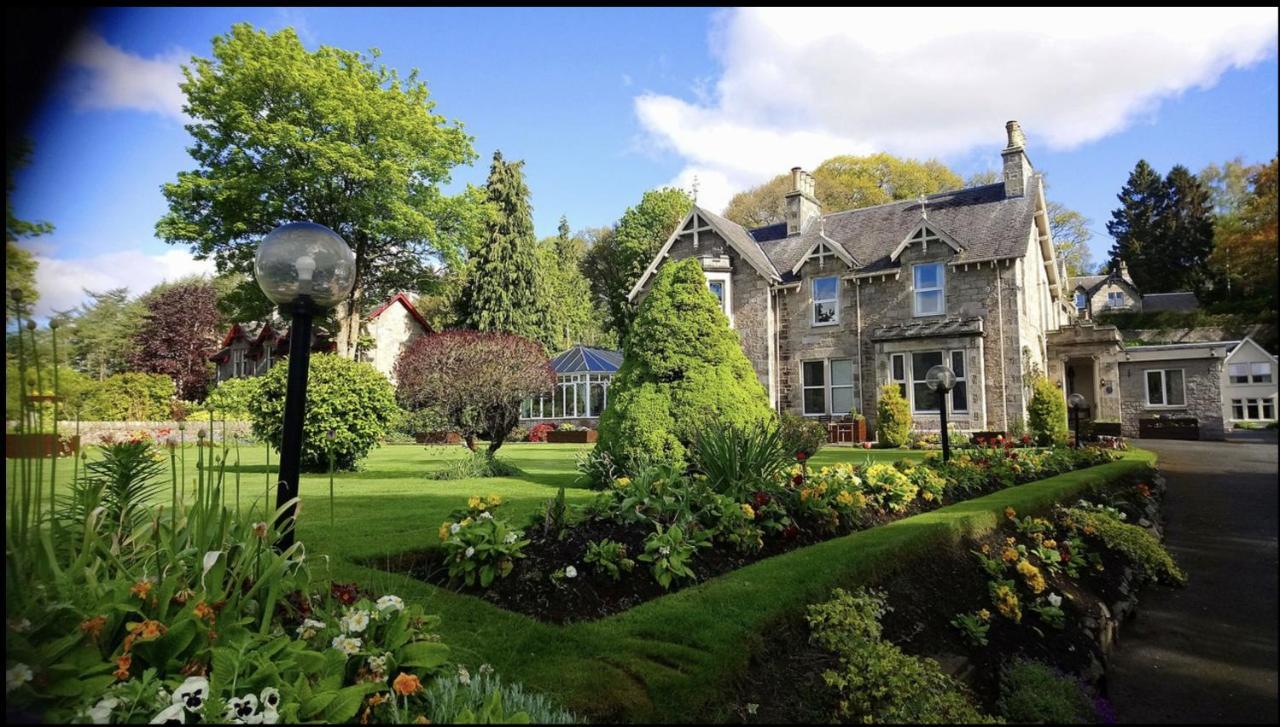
pixel 974 626
pixel 669 552
pixel 609 558
pixel 885 486
pixel 122 481
pixel 449 697
pixel 1032 692
pixel 480 546
pixel 893 417
pixel 740 460
pixel 1136 544
pixel 801 434
pixel 476 465
pixel 1047 413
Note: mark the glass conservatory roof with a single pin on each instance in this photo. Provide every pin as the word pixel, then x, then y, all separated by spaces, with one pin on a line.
pixel 581 359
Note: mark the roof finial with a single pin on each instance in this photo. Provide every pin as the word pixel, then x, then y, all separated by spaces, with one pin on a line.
pixel 695 189
pixel 924 212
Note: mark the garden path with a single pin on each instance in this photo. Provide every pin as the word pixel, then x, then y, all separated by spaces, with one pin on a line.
pixel 1207 653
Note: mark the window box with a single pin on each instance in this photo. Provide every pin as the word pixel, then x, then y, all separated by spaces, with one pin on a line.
pixel 577 436
pixel 1169 428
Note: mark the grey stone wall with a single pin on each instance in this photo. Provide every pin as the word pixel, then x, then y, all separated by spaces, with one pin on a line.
pixel 1203 382
pixel 94 432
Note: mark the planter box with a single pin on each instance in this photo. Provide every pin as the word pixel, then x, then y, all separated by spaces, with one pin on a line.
pixel 1104 429
pixel 847 432
pixel 1184 428
pixel 32 446
pixel 585 436
pixel 438 438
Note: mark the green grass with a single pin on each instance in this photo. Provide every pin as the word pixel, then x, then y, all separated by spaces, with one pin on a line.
pixel 671 659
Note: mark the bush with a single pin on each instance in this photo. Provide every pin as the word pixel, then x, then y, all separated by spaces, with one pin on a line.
pixel 233 397
pixel 738 461
pixel 538 433
pixel 349 398
pixel 893 417
pixel 1035 693
pixel 476 464
pixel 876 681
pixel 683 366
pixel 1047 413
pixel 130 397
pixel 1131 541
pixel 801 434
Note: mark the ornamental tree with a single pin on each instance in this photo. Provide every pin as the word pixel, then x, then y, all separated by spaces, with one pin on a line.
pixel 476 381
pixel 179 332
pixel 1047 413
pixel 683 369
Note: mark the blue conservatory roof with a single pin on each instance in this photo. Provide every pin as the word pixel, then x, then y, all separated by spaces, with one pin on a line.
pixel 580 359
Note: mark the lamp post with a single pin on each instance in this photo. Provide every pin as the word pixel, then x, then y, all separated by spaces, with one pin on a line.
pixel 941 379
pixel 1076 402
pixel 305 269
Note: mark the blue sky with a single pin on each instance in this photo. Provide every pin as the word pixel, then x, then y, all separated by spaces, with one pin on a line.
pixel 604 104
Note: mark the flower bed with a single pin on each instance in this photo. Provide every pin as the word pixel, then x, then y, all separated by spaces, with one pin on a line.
pixel 662 530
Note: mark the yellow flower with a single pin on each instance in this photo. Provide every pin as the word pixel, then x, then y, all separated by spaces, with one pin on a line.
pixel 845 498
pixel 748 511
pixel 1010 541
pixel 1009 512
pixel 1051 544
pixel 984 615
pixel 1032 575
pixel 474 502
pixel 444 530
pixel 465 522
pixel 621 482
pixel 494 500
pixel 986 549
pixel 1009 554
pixel 1006 602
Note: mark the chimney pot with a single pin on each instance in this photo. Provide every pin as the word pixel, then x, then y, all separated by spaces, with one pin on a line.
pixel 1017 140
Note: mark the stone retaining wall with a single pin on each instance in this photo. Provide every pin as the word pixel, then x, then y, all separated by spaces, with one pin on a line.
pixel 93 432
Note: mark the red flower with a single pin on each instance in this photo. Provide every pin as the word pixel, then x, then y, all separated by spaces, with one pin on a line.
pixel 790 532
pixel 762 499
pixel 1026 439
pixel 345 593
pixel 797 480
pixel 801 456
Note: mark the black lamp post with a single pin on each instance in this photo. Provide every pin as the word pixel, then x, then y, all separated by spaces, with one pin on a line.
pixel 941 379
pixel 305 269
pixel 1076 402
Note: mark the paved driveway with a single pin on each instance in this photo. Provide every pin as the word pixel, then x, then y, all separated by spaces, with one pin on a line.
pixel 1207 653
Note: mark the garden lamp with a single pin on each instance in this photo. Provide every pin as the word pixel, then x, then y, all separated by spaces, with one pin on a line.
pixel 305 269
pixel 942 379
pixel 1076 402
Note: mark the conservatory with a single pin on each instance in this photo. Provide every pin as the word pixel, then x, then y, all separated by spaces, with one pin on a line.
pixel 582 386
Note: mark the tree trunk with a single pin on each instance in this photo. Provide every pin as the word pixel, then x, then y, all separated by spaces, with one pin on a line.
pixel 348 313
pixel 471 442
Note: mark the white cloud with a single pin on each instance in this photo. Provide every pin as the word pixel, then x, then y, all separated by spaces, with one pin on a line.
pixel 801 85
pixel 61 282
pixel 109 78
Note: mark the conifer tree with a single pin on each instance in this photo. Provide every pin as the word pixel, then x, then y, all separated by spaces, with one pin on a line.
pixel 504 290
pixel 1190 213
pixel 683 370
pixel 1140 228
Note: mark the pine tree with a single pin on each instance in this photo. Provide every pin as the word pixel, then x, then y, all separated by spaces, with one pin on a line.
pixel 683 370
pixel 1140 228
pixel 1190 231
pixel 505 290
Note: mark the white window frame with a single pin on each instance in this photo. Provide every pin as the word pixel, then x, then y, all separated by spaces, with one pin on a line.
pixel 543 407
pixel 805 387
pixel 828 387
pixel 903 387
pixel 941 288
pixel 852 386
pixel 1238 378
pixel 814 300
pixel 906 385
pixel 1258 378
pixel 951 395
pixel 726 305
pixel 1264 406
pixel 1117 294
pixel 1164 389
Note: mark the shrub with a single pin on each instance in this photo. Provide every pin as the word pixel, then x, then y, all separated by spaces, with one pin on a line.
pixel 875 680
pixel 737 460
pixel 351 399
pixel 1047 413
pixel 233 397
pixel 448 698
pixel 476 464
pixel 801 434
pixel 1035 693
pixel 476 381
pixel 683 366
pixel 893 417
pixel 538 433
pixel 1131 541
pixel 130 397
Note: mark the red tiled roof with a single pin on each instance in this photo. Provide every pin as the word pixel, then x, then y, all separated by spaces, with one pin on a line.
pixel 403 299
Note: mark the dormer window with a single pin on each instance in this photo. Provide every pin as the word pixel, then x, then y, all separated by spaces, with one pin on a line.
pixel 1082 301
pixel 720 285
pixel 928 279
pixel 826 301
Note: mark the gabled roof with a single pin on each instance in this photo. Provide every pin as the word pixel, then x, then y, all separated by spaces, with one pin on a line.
pixel 922 233
pixel 581 360
pixel 402 299
pixel 835 248
pixel 734 234
pixel 1242 345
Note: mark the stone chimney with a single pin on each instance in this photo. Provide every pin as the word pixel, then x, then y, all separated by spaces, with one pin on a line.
pixel 1122 270
pixel 1017 167
pixel 802 205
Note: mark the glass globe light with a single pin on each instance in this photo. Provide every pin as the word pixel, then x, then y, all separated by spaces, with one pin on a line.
pixel 940 378
pixel 303 261
pixel 1076 401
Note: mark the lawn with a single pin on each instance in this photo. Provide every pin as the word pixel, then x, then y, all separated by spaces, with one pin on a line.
pixel 667 659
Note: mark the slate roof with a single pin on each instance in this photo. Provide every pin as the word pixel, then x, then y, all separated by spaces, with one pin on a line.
pixel 581 360
pixel 1088 282
pixel 987 225
pixel 743 241
pixel 928 329
pixel 1180 301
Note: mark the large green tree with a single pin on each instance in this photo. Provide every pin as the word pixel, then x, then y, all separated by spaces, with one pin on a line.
pixel 102 334
pixel 504 291
pixel 284 134
pixel 1140 228
pixel 573 313
pixel 19 263
pixel 1246 241
pixel 683 370
pixel 845 183
pixel 1190 231
pixel 615 260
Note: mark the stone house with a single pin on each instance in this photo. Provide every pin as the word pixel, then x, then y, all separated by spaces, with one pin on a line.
pixel 831 305
pixel 251 350
pixel 1115 292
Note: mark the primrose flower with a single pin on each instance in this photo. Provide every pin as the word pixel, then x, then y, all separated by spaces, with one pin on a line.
pixel 309 628
pixel 346 644
pixel 406 684
pixel 494 500
pixel 621 482
pixel 454 528
pixel 1055 600
pixel 378 664
pixel 444 530
pixel 390 603
pixel 486 516
pixel 748 511
pixel 570 572
pixel 470 551
pixel 355 622
pixel 475 503
pixel 984 615
pixel 15 676
pixel 510 538
pixel 664 550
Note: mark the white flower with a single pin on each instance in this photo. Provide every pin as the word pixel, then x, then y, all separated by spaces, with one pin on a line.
pixel 100 713
pixel 270 698
pixel 15 676
pixel 1055 600
pixel 355 622
pixel 390 603
pixel 464 676
pixel 454 528
pixel 346 644
pixel 664 550
pixel 270 716
pixel 191 694
pixel 378 664
pixel 485 669
pixel 486 516
pixel 171 715
pixel 511 538
pixel 309 628
pixel 163 698
pixel 570 572
pixel 241 709
pixel 470 552
pixel 21 625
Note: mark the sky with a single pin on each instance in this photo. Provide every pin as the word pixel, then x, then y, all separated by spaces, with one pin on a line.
pixel 603 105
